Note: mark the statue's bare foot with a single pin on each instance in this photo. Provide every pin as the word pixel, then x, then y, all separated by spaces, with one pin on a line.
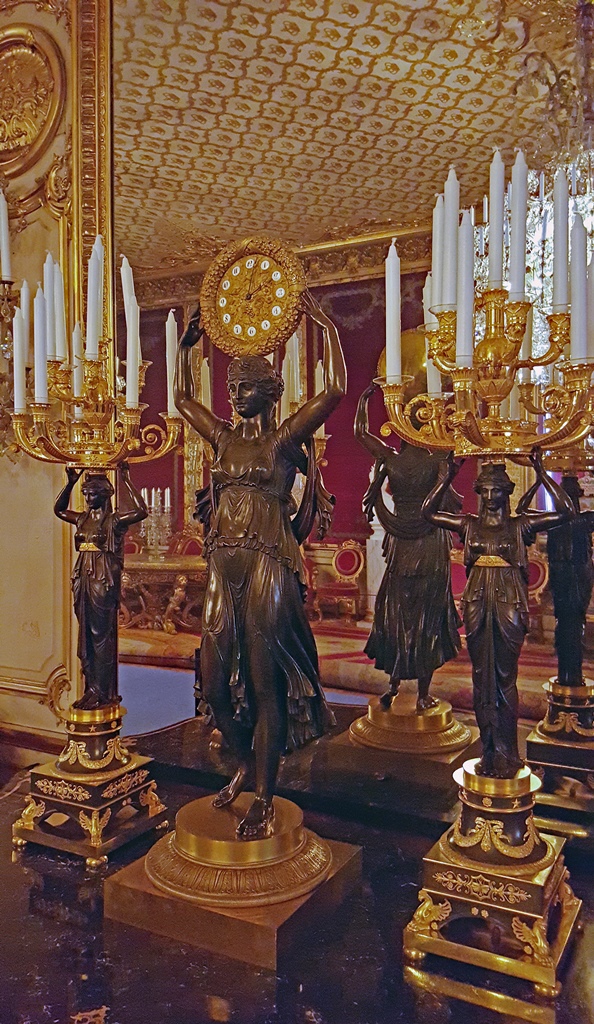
pixel 424 703
pixel 386 698
pixel 258 821
pixel 237 785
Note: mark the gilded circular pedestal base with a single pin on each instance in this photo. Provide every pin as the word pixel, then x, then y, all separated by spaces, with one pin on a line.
pixel 495 828
pixel 401 728
pixel 203 860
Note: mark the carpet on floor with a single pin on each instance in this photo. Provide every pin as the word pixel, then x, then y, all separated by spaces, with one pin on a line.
pixel 345 667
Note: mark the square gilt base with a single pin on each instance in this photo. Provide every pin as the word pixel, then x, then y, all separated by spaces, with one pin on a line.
pixel 517 924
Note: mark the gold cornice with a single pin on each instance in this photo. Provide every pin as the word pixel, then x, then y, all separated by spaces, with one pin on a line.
pixel 356 258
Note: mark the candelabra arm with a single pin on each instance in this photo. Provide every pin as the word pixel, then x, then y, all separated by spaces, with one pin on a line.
pixel 559 336
pixel 466 424
pixel 442 343
pixel 33 438
pixel 156 441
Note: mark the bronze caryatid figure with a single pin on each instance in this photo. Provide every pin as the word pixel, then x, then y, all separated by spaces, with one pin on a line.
pixel 415 623
pixel 258 659
pixel 495 600
pixel 571 577
pixel 96 579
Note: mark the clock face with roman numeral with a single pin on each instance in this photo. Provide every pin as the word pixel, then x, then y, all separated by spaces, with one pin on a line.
pixel 250 298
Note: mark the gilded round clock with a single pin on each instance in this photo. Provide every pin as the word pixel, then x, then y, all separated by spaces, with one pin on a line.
pixel 250 296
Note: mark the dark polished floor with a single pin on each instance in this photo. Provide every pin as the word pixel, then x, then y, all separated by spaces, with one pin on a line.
pixel 60 962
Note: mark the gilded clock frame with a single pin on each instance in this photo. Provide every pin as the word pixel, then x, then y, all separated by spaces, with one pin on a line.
pixel 291 315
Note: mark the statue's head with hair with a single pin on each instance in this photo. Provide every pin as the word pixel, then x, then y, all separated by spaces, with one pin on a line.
pixel 493 487
pixel 98 490
pixel 253 384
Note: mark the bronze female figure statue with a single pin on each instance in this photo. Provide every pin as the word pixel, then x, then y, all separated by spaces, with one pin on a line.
pixel 415 623
pixel 258 660
pixel 571 577
pixel 495 600
pixel 96 579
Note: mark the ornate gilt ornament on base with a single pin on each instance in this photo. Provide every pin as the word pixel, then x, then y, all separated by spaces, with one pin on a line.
pixel 495 891
pixel 560 750
pixel 250 296
pixel 204 861
pixel 96 796
pixel 402 728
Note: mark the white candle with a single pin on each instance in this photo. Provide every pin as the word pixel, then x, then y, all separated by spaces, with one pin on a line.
pixel 485 210
pixel 132 354
pixel 519 213
pixel 19 350
pixel 481 240
pixel 451 220
pixel 496 193
pixel 465 293
pixel 60 315
pixel 541 187
pixel 26 314
pixel 153 498
pixel 318 389
pixel 77 368
pixel 39 325
pixel 99 250
pixel 127 281
pixel 573 180
pixel 579 327
pixel 50 317
pixel 171 356
pixel 393 351
pixel 437 254
pixel 145 496
pixel 590 309
pixel 92 338
pixel 167 504
pixel 560 242
pixel 427 300
pixel 5 267
pixel 206 398
pixel 295 376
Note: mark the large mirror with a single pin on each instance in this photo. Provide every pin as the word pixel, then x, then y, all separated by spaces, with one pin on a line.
pixel 332 126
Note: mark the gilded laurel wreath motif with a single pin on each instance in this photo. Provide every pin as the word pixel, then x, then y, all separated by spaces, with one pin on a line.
pixel 77 751
pixel 567 721
pixel 481 888
pixel 63 790
pixel 429 915
pixel 490 834
pixel 122 786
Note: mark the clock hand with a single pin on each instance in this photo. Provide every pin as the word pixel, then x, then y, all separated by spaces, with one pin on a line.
pixel 249 291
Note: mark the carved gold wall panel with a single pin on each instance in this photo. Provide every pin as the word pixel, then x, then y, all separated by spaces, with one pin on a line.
pixel 323 118
pixel 32 95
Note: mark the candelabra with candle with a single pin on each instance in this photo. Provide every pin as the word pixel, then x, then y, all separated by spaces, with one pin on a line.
pixel 106 794
pixel 482 340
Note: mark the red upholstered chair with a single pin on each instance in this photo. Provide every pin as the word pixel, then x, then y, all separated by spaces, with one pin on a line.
pixel 343 596
pixel 185 544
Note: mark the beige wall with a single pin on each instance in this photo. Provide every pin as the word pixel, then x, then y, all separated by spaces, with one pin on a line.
pixel 37 631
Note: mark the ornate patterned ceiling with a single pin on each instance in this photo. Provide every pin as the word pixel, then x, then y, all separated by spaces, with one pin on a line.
pixel 310 119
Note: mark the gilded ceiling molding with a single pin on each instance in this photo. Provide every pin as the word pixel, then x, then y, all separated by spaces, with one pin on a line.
pixel 92 145
pixel 32 96
pixel 338 260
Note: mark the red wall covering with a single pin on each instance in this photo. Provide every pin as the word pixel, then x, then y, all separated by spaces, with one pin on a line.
pixel 358 310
